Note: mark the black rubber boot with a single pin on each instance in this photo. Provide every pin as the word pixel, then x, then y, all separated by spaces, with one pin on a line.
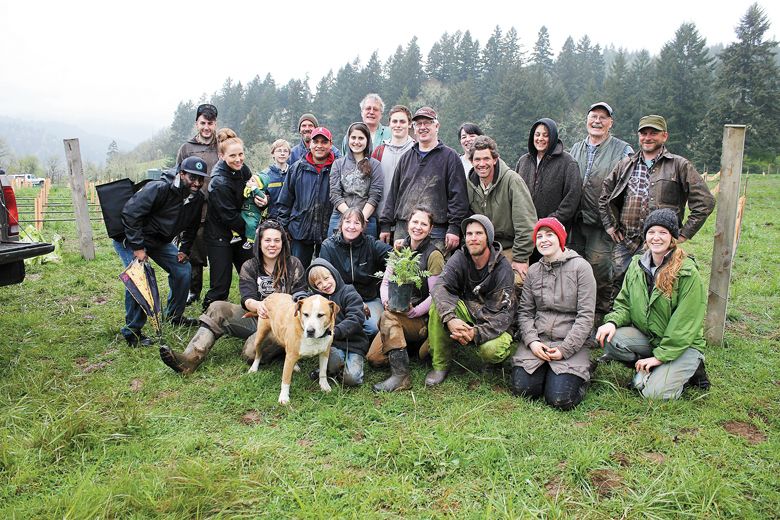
pixel 400 376
pixel 699 378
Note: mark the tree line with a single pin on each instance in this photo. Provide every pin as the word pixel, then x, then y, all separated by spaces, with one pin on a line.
pixel 504 87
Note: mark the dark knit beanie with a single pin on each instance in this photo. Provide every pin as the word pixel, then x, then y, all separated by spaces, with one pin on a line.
pixel 307 117
pixel 555 225
pixel 484 222
pixel 664 217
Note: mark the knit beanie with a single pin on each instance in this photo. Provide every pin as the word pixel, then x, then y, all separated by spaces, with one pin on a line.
pixel 555 225
pixel 664 217
pixel 484 222
pixel 307 117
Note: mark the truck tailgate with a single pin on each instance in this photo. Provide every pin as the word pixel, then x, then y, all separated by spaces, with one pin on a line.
pixel 15 251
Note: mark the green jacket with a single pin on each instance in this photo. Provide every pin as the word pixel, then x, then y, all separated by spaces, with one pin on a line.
pixel 509 206
pixel 672 325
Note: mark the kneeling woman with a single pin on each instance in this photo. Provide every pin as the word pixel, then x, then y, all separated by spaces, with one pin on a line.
pixel 555 318
pixel 656 322
pixel 357 257
pixel 272 269
pixel 398 328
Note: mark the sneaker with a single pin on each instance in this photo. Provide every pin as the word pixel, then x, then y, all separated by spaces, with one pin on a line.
pixel 247 245
pixel 235 240
pixel 139 341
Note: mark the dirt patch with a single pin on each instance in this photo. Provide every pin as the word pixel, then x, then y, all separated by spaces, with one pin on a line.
pixel 473 384
pixel 500 389
pixel 87 367
pixel 100 300
pixel 745 430
pixel 581 424
pixel 756 414
pixel 305 443
pixel 358 436
pixel 622 459
pixel 555 487
pixel 606 481
pixel 654 456
pixel 251 418
pixel 136 385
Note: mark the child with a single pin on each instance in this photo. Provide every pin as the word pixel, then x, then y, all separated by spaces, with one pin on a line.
pixel 350 343
pixel 252 215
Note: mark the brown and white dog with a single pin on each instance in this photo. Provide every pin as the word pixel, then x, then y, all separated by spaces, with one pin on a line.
pixel 303 329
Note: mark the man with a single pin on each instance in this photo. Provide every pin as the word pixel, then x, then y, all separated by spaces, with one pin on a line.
pixel 304 202
pixel 390 151
pixel 306 124
pixel 596 156
pixel 502 196
pixel 650 179
pixel 204 146
pixel 473 301
pixel 430 174
pixel 371 109
pixel 152 218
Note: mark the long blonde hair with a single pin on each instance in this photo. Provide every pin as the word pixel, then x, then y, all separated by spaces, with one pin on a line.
pixel 668 275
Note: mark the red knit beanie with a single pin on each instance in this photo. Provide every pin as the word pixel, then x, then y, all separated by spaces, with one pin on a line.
pixel 555 225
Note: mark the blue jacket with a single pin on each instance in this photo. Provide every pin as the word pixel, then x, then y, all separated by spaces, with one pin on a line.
pixel 276 179
pixel 304 202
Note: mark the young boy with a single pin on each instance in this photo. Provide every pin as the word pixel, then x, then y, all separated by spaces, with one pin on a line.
pixel 350 343
pixel 256 186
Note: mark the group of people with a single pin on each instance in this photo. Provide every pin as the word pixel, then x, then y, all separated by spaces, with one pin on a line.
pixel 532 265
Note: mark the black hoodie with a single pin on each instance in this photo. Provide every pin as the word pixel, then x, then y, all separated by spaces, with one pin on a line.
pixel 226 196
pixel 348 334
pixel 555 183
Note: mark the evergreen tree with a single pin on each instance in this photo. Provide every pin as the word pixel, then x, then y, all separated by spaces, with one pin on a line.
pixel 182 127
pixel 394 81
pixel 371 77
pixel 747 92
pixel 412 70
pixel 682 85
pixel 467 58
pixel 567 70
pixel 295 99
pixel 618 94
pixel 542 54
pixel 511 51
pixel 112 153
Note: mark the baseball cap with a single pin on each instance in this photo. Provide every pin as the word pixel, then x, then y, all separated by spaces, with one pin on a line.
pixel 653 121
pixel 321 130
pixel 601 104
pixel 193 165
pixel 206 110
pixel 426 112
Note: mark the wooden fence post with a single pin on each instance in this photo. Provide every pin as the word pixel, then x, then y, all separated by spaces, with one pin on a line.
pixel 79 195
pixel 725 233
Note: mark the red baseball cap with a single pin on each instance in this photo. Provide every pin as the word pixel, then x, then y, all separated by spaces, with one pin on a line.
pixel 321 130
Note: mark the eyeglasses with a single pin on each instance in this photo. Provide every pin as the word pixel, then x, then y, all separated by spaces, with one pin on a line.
pixel 423 122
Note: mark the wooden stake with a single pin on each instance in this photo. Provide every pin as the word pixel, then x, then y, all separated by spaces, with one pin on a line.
pixel 725 226
pixel 78 193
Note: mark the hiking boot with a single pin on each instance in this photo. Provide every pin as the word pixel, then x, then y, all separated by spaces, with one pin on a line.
pixel 193 355
pixel 699 378
pixel 436 377
pixel 400 377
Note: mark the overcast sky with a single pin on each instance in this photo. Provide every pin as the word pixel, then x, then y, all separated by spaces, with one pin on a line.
pixel 120 68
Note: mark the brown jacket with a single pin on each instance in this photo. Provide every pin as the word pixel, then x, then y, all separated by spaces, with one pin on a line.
pixel 556 307
pixel 673 183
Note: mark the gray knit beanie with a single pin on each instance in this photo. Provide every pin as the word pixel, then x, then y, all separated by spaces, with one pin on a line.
pixel 664 217
pixel 484 221
pixel 307 117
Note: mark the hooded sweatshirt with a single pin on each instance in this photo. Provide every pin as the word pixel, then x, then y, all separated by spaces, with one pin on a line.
pixel 389 154
pixel 353 187
pixel 348 334
pixel 554 182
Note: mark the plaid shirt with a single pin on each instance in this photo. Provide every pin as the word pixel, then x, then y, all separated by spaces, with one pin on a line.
pixel 636 206
pixel 591 148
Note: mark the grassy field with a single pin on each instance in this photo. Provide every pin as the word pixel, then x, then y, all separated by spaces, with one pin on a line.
pixel 92 429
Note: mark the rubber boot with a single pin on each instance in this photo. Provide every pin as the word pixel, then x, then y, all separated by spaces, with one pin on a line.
pixel 436 377
pixel 400 377
pixel 699 378
pixel 193 355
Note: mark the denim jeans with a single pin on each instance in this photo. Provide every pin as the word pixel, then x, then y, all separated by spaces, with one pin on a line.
pixel 371 325
pixel 351 371
pixel 166 256
pixel 562 391
pixel 304 250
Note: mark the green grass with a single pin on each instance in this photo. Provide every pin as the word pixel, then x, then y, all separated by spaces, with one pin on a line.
pixel 92 429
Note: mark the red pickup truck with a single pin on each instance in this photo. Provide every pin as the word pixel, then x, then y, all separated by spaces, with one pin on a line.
pixel 13 252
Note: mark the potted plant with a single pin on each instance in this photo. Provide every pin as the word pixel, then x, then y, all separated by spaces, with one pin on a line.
pixel 406 274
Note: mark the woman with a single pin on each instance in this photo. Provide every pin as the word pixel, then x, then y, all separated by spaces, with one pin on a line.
pixel 552 175
pixel 656 322
pixel 226 196
pixel 280 152
pixel 271 269
pixel 466 135
pixel 356 180
pixel 357 256
pixel 397 329
pixel 555 318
